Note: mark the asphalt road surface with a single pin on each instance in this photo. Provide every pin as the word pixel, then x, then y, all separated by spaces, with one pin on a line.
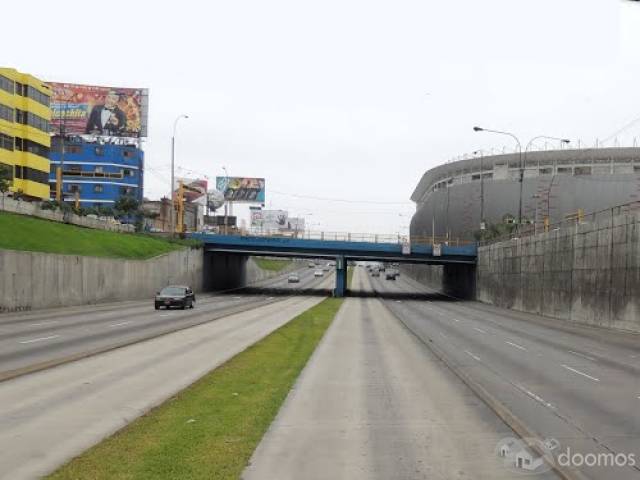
pixel 575 384
pixel 50 416
pixel 374 403
pixel 40 338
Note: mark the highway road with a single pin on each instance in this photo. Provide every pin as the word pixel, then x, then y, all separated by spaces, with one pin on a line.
pixel 576 384
pixel 49 416
pixel 374 403
pixel 44 337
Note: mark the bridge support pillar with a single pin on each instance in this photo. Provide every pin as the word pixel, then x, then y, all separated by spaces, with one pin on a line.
pixel 341 277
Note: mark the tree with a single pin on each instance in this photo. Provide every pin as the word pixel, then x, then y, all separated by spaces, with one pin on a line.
pixel 6 176
pixel 128 209
pixel 127 206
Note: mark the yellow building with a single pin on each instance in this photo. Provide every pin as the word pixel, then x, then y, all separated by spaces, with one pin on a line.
pixel 25 116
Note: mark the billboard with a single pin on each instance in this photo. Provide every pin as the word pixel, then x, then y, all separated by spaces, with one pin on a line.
pixel 295 224
pixel 94 110
pixel 242 189
pixel 194 190
pixel 270 219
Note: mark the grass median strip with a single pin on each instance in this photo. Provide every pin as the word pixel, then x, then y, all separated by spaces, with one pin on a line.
pixel 210 429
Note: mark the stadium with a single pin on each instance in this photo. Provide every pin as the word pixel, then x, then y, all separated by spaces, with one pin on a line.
pixel 452 199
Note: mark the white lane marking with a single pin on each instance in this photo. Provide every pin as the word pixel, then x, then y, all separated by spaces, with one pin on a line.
pixel 581 373
pixel 456 319
pixel 41 339
pixel 479 330
pixel 443 335
pixel 472 355
pixel 165 314
pixel 237 298
pixel 44 323
pixel 536 397
pixel 270 298
pixel 120 324
pixel 516 345
pixel 582 355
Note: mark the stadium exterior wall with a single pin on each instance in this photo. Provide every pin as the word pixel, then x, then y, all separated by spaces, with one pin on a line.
pixel 556 184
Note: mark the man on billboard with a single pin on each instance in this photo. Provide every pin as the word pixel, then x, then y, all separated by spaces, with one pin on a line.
pixel 107 119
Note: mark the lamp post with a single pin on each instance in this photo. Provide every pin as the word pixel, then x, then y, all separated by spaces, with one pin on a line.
pixel 521 174
pixel 173 157
pixel 522 165
pixel 227 204
pixel 481 152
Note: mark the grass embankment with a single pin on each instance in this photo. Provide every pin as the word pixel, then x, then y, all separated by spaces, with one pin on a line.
pixel 271 264
pixel 210 430
pixel 20 232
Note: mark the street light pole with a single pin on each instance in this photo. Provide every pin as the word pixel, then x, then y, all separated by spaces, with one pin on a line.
pixel 173 158
pixel 227 203
pixel 481 152
pixel 521 175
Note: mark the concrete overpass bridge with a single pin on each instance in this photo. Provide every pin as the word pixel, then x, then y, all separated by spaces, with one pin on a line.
pixel 226 249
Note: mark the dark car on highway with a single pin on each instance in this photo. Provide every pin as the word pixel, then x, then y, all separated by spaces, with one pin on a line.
pixel 175 296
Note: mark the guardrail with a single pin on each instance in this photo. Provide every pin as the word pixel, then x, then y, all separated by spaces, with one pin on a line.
pixel 350 237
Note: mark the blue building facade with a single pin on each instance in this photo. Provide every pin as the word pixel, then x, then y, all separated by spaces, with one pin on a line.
pixel 97 172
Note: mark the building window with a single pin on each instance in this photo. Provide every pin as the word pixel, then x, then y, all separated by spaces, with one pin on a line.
pixel 7 85
pixel 126 190
pixel 6 142
pixel 565 170
pixel 99 169
pixel 30 146
pixel 38 96
pixel 74 149
pixel 74 188
pixel 582 171
pixel 128 153
pixel 21 89
pixel 6 113
pixel 475 177
pixel 98 188
pixel 546 171
pixel 18 172
pixel 127 172
pixel 31 119
pixel 99 151
pixel 34 175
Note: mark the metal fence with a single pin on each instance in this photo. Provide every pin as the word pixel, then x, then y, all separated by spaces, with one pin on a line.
pixel 351 237
pixel 576 218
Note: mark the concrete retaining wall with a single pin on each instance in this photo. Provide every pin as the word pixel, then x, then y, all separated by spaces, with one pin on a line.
pixel 588 273
pixel 33 209
pixel 31 280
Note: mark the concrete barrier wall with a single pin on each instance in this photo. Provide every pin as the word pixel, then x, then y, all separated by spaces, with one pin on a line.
pixel 33 209
pixel 588 273
pixel 32 280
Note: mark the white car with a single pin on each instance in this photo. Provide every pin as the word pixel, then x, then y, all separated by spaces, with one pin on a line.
pixel 293 278
pixel 318 273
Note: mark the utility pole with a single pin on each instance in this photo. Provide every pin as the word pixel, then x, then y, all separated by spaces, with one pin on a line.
pixel 172 211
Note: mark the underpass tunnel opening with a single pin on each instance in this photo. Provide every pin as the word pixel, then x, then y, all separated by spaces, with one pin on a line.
pixel 270 274
pixel 419 281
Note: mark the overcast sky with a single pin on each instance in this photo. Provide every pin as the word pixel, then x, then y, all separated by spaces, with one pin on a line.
pixel 344 99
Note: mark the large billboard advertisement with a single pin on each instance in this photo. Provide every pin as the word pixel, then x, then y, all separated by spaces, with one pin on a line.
pixel 269 219
pixel 94 110
pixel 194 190
pixel 242 189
